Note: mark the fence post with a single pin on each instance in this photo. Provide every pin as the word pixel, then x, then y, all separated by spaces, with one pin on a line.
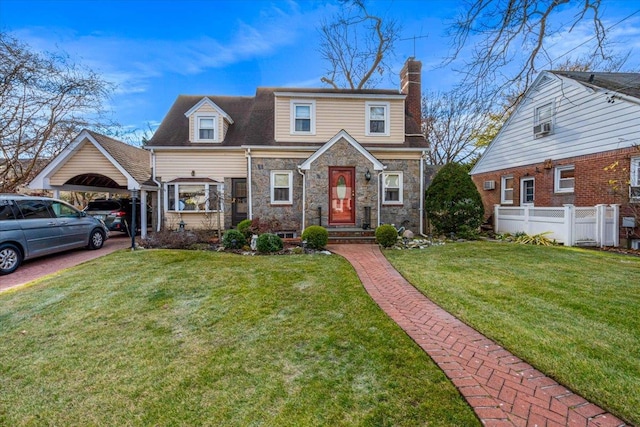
pixel 526 224
pixel 615 227
pixel 601 224
pixel 496 217
pixel 569 224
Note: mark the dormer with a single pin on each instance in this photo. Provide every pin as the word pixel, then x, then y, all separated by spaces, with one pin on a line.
pixel 208 123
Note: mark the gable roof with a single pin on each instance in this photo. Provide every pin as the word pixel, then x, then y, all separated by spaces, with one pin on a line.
pixel 253 119
pixel 210 103
pixel 132 162
pixel 343 134
pixel 625 83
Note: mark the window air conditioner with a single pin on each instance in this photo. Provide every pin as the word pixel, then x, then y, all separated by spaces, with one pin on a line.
pixel 489 185
pixel 542 128
pixel 635 244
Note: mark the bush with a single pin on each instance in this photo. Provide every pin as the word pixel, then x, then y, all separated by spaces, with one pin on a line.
pixel 170 240
pixel 233 239
pixel 268 242
pixel 244 227
pixel 316 236
pixel 452 201
pixel 386 235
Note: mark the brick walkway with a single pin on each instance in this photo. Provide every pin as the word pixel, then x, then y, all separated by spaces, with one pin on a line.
pixel 502 389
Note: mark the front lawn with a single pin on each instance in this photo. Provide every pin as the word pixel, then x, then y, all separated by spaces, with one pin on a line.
pixel 572 313
pixel 185 338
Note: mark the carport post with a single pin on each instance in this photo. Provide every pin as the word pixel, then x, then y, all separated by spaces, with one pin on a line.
pixel 134 195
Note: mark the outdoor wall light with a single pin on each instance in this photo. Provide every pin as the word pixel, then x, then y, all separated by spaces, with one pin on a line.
pixel 367 175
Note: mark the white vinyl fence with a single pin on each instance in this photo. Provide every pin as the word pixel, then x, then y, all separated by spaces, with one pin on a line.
pixel 570 225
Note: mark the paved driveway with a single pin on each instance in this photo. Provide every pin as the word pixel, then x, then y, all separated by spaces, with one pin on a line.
pixel 36 268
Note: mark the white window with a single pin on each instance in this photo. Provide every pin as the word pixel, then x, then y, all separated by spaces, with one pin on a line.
pixel 192 197
pixel 634 181
pixel 303 117
pixel 565 179
pixel 527 193
pixel 543 120
pixel 392 188
pixel 506 190
pixel 377 119
pixel 281 187
pixel 206 128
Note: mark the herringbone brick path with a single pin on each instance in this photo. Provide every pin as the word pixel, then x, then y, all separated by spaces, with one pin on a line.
pixel 502 389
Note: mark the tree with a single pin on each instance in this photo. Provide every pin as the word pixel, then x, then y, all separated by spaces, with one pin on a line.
pixel 45 100
pixel 356 44
pixel 450 123
pixel 500 30
pixel 452 201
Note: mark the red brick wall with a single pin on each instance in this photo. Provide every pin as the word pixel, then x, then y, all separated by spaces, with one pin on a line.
pixel 593 184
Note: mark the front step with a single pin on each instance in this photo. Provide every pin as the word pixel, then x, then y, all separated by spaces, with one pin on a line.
pixel 351 235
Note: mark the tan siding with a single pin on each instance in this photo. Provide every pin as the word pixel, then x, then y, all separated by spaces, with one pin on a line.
pixel 88 160
pixel 396 155
pixel 334 114
pixel 205 108
pixel 193 221
pixel 281 154
pixel 210 164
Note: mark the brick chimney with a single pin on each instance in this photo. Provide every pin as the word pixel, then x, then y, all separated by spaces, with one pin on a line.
pixel 410 84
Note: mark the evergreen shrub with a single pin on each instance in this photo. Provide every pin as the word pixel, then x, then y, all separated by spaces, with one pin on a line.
pixel 316 236
pixel 386 235
pixel 233 239
pixel 268 242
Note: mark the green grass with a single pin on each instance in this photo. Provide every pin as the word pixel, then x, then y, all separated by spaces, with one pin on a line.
pixel 572 313
pixel 187 338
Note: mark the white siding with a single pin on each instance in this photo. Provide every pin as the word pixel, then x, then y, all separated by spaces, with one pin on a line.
pixel 584 123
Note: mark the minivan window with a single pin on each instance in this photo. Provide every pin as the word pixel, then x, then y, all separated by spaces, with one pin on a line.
pixel 62 210
pixel 7 212
pixel 34 209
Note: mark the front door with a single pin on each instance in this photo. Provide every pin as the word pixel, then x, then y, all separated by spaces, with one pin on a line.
pixel 342 196
pixel 239 200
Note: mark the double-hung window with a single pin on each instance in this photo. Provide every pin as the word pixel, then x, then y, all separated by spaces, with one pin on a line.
pixel 281 187
pixel 392 188
pixel 565 178
pixel 192 197
pixel 543 123
pixel 506 190
pixel 377 119
pixel 634 181
pixel 206 128
pixel 303 117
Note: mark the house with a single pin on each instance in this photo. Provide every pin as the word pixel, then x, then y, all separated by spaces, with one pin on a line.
pixel 573 140
pixel 294 157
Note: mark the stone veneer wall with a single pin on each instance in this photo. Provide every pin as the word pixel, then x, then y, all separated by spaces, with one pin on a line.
pixel 317 192
pixel 289 216
pixel 407 214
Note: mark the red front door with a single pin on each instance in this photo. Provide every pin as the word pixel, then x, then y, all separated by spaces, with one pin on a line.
pixel 342 196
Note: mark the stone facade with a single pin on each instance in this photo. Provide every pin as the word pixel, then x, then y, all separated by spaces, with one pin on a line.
pixel 342 153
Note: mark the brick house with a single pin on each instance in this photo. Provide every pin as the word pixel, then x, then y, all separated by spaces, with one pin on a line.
pixel 337 158
pixel 573 139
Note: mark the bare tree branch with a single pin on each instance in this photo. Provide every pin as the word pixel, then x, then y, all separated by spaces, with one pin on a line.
pixel 355 44
pixel 45 100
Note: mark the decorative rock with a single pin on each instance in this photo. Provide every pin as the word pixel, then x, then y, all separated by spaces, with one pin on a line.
pixel 408 234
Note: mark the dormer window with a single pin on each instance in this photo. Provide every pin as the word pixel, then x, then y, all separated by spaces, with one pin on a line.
pixel 377 119
pixel 303 117
pixel 543 120
pixel 206 128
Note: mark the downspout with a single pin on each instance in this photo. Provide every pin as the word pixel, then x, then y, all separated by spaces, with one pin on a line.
pixel 379 198
pixel 422 160
pixel 248 154
pixel 304 198
pixel 153 178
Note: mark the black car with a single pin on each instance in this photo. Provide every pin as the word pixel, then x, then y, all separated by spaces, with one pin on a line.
pixel 116 213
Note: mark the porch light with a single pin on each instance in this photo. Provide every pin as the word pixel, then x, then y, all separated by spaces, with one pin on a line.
pixel 367 175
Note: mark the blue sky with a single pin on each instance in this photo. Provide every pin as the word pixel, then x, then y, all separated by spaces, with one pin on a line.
pixel 156 50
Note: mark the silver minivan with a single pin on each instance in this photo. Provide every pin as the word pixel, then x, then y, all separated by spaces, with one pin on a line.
pixel 35 226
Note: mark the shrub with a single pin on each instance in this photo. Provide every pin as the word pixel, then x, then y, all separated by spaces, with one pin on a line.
pixel 170 240
pixel 268 242
pixel 316 236
pixel 452 201
pixel 244 227
pixel 233 239
pixel 386 235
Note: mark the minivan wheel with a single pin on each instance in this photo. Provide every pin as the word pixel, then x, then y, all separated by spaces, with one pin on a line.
pixel 10 258
pixel 96 240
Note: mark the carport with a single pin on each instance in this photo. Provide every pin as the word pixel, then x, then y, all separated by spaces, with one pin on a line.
pixel 97 163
